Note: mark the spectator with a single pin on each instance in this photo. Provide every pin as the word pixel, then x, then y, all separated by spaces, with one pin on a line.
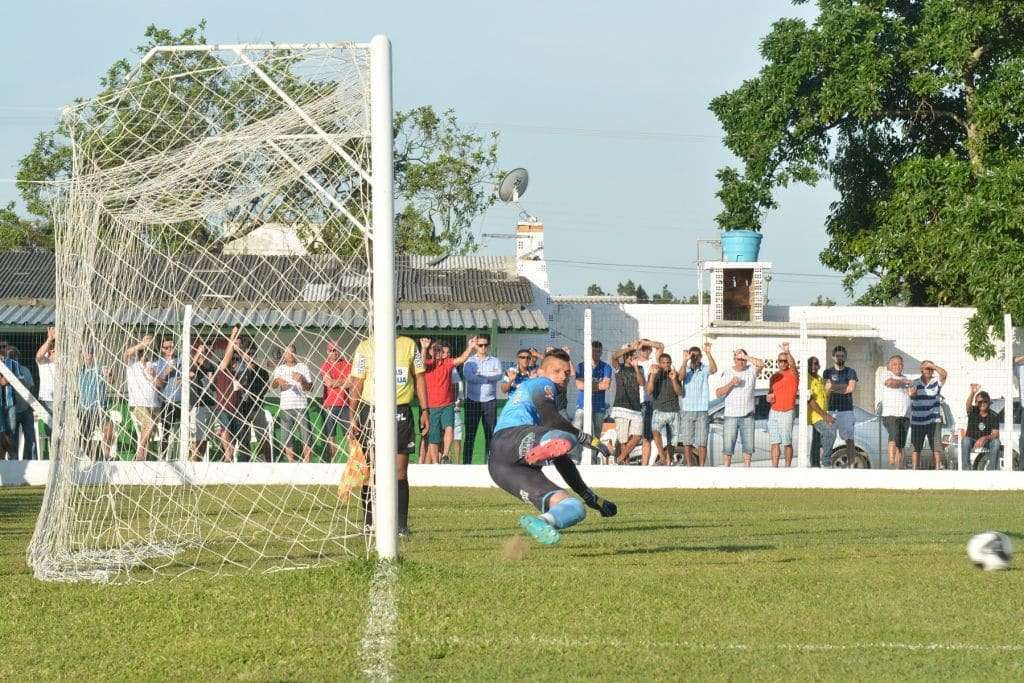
pixel 524 369
pixel 251 382
pixel 782 390
pixel 228 395
pixel 334 373
pixel 840 383
pixel 647 361
pixel 817 414
pixel 896 409
pixel 982 429
pixel 1019 361
pixel 20 417
pixel 45 357
pixel 482 372
pixel 293 380
pixel 440 398
pixel 738 391
pixel 627 409
pixel 202 393
pixel 408 364
pixel 92 408
pixel 665 391
pixel 601 379
pixel 459 394
pixel 926 412
pixel 168 385
pixel 693 424
pixel 143 397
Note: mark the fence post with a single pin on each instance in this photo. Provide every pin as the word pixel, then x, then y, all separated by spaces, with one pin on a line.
pixel 1008 395
pixel 588 383
pixel 803 441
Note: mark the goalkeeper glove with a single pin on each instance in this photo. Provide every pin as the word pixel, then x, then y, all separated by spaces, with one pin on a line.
pixel 605 507
pixel 595 443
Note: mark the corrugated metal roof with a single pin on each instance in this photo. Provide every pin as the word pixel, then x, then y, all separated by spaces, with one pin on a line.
pixel 482 280
pixel 409 318
pixel 26 274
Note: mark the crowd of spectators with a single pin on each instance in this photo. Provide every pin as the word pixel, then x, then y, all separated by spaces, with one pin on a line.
pixel 659 413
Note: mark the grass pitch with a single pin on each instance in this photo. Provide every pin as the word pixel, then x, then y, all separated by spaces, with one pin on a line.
pixel 682 584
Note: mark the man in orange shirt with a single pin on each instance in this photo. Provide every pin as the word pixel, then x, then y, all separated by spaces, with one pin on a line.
pixel 334 372
pixel 782 391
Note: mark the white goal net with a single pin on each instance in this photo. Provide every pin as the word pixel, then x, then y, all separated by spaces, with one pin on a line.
pixel 214 273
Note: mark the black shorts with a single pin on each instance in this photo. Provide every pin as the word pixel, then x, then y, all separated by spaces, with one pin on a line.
pixel 932 432
pixel 897 428
pixel 648 411
pixel 406 431
pixel 510 472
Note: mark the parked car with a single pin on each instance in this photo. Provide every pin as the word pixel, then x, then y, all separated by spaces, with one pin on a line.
pixel 869 438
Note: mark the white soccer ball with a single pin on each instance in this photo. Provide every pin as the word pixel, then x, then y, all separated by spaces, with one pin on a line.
pixel 990 551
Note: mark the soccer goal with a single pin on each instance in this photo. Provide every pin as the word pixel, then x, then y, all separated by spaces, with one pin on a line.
pixel 224 243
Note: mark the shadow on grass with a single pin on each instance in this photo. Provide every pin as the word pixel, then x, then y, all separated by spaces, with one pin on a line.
pixel 654 550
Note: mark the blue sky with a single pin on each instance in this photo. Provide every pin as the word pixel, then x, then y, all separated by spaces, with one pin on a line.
pixel 605 103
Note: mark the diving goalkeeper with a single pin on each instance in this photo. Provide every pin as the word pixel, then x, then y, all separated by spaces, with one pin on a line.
pixel 530 434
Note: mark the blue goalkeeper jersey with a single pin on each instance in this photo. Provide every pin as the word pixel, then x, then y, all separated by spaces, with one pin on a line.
pixel 524 406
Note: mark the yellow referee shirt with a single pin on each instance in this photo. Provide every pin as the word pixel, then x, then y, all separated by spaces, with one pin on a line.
pixel 408 363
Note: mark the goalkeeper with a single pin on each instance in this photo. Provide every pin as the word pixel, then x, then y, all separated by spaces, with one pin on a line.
pixel 531 433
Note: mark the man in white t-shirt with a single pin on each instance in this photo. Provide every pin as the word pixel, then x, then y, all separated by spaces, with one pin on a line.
pixel 293 380
pixel 143 397
pixel 896 408
pixel 737 388
pixel 45 358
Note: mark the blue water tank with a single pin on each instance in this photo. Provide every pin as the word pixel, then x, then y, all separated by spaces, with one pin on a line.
pixel 741 245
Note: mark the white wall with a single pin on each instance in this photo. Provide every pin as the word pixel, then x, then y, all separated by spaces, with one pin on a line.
pixel 936 334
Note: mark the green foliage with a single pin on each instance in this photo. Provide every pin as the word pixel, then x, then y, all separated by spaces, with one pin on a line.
pixel 595 290
pixel 627 288
pixel 823 301
pixel 444 177
pixel 443 174
pixel 684 571
pixel 915 112
pixel 18 232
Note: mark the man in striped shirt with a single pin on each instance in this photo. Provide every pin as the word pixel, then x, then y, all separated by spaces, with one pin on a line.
pixel 926 412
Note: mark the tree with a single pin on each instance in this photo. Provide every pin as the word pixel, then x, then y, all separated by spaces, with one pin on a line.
pixel 444 177
pixel 642 296
pixel 595 290
pixel 823 301
pixel 626 288
pixel 692 299
pixel 443 174
pixel 16 231
pixel 915 112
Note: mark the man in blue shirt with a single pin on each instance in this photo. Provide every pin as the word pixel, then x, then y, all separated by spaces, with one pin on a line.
pixel 693 426
pixel 482 372
pixel 601 380
pixel 530 434
pixel 168 385
pixel 840 383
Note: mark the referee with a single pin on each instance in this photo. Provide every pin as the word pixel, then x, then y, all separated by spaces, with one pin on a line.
pixel 409 381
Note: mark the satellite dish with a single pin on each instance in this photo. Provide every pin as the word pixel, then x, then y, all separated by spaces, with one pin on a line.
pixel 513 185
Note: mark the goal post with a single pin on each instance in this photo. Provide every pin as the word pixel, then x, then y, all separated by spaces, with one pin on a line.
pixel 224 243
pixel 384 296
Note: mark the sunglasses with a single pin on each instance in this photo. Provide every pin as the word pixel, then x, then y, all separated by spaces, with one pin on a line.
pixel 783 360
pixel 484 345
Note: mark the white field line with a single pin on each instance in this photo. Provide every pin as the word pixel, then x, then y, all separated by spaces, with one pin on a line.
pixel 613 643
pixel 378 641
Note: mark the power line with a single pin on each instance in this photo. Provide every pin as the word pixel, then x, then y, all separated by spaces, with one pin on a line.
pixel 684 269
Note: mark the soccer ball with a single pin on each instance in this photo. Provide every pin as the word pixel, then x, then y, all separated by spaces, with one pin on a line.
pixel 990 551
